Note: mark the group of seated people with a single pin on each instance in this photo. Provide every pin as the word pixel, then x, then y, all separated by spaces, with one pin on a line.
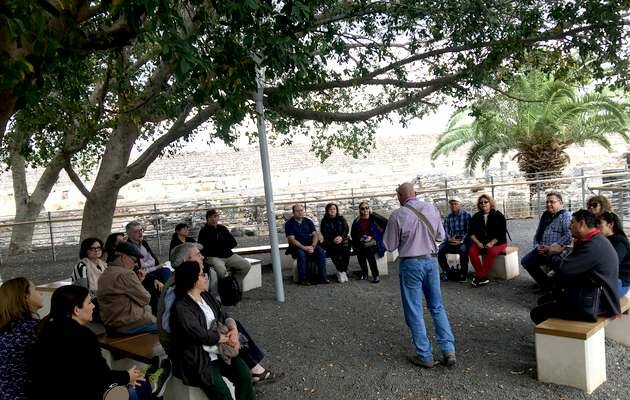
pixel 580 262
pixel 122 284
pixel 337 241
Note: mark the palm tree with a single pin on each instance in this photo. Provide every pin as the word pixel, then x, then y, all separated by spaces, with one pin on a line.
pixel 539 117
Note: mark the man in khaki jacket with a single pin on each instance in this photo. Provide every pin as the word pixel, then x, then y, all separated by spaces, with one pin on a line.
pixel 123 301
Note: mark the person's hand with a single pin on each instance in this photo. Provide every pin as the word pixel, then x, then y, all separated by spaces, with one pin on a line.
pixel 309 249
pixel 454 240
pixel 338 240
pixel 158 285
pixel 135 376
pixel 224 338
pixel 368 238
pixel 141 274
pixel 480 245
pixel 555 249
pixel 542 249
pixel 233 338
pixel 490 244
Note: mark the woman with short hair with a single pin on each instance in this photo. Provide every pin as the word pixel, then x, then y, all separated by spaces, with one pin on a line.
pixel 180 236
pixel 367 240
pixel 67 362
pixel 20 301
pixel 486 231
pixel 204 340
pixel 90 266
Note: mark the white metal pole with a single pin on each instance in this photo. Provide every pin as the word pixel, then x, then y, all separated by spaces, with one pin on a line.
pixel 264 159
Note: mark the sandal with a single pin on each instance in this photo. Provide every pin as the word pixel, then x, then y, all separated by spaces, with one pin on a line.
pixel 265 377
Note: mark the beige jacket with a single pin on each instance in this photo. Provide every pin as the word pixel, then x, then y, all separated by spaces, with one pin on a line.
pixel 123 301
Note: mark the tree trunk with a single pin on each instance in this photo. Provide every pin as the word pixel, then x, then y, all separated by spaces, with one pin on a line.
pixel 100 205
pixel 544 161
pixel 28 207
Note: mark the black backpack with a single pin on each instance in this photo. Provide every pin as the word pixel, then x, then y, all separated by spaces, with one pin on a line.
pixel 229 291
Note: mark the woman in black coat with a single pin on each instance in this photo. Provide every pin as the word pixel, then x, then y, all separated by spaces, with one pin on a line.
pixel 198 346
pixel 486 231
pixel 334 229
pixel 66 361
pixel 610 226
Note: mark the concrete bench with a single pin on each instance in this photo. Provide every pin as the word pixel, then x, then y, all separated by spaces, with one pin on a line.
pixel 381 263
pixel 122 352
pixel 253 279
pixel 176 390
pixel 244 251
pixel 571 353
pixel 506 265
pixel 619 329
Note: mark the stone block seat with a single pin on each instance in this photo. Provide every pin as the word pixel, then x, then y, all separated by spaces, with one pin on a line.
pixel 506 265
pixel 573 353
pixel 253 279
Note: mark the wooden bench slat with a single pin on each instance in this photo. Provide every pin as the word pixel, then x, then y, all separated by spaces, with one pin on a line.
pixel 142 347
pixel 571 329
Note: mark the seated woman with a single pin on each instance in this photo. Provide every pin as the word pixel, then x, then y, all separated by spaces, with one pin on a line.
pixel 180 236
pixel 200 352
pixel 487 237
pixel 598 205
pixel 67 361
pixel 334 229
pixel 110 244
pixel 367 240
pixel 610 226
pixel 18 326
pixel 90 266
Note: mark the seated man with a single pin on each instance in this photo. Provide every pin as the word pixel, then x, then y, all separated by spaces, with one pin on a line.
pixel 123 301
pixel 552 238
pixel 251 354
pixel 303 238
pixel 592 263
pixel 156 274
pixel 218 242
pixel 456 228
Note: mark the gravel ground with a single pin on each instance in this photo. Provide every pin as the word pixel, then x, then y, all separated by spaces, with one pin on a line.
pixel 350 341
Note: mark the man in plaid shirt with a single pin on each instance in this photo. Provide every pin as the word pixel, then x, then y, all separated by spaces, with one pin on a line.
pixel 456 228
pixel 552 237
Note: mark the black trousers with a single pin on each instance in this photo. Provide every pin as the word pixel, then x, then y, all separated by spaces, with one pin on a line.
pixel 366 256
pixel 340 256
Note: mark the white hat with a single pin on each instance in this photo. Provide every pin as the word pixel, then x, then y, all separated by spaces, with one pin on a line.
pixel 454 198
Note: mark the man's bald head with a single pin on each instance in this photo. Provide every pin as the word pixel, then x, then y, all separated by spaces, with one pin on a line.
pixel 405 191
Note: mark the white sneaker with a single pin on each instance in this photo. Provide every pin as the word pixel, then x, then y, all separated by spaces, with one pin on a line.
pixel 339 276
pixel 344 276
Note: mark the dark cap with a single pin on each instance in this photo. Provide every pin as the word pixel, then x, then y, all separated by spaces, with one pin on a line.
pixel 128 249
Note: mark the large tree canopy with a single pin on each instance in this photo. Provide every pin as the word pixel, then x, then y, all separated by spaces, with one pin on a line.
pixel 333 67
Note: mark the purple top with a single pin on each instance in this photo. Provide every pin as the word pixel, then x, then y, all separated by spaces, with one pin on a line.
pixel 408 234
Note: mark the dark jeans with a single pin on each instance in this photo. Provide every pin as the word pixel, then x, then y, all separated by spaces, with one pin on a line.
pixel 340 256
pixel 250 352
pixel 532 263
pixel 238 373
pixel 142 392
pixel 160 274
pixel 366 256
pixel 461 249
pixel 318 256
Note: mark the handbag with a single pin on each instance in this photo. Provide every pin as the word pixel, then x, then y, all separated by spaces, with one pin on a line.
pixel 229 291
pixel 366 244
pixel 116 392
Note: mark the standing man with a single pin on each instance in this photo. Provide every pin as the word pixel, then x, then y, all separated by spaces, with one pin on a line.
pixel 303 238
pixel 413 229
pixel 456 228
pixel 218 242
pixel 552 237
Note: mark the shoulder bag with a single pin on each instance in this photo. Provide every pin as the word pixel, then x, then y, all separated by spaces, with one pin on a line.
pixel 427 225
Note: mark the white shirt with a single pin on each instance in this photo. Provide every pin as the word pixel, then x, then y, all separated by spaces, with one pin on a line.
pixel 209 314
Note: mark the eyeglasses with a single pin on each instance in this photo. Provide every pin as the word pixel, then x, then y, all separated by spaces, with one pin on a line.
pixel 95 248
pixel 593 205
pixel 364 208
pixel 484 202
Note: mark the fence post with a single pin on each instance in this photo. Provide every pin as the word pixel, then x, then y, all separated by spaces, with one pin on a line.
pixel 538 199
pixel 505 214
pixel 583 188
pixel 446 190
pixel 52 239
pixel 157 227
pixel 492 187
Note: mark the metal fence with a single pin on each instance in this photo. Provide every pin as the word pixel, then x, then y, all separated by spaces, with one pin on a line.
pixel 57 234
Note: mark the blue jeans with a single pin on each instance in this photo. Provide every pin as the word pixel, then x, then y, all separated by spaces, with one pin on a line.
pixel 623 290
pixel 142 392
pixel 319 256
pixel 420 276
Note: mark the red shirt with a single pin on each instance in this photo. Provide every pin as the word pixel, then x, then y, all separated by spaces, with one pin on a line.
pixel 364 226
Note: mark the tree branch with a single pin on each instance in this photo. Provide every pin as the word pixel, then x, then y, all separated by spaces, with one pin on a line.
pixel 511 96
pixel 178 130
pixel 76 180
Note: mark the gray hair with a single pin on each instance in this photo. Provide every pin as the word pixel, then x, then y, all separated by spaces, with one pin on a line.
pixel 181 254
pixel 555 194
pixel 131 225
